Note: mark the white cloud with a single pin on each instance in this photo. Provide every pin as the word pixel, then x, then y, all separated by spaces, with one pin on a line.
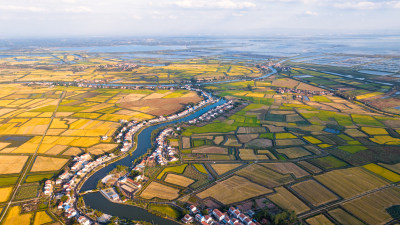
pixel 216 4
pixel 78 9
pixel 21 8
pixel 137 17
pixel 358 5
pixel 311 13
pixel 395 4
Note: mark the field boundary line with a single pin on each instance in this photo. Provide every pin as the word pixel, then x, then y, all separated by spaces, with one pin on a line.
pixel 31 160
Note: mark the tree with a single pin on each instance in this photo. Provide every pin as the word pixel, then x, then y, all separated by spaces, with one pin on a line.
pixel 134 173
pixel 120 168
pixel 64 198
pixel 292 216
pixel 249 87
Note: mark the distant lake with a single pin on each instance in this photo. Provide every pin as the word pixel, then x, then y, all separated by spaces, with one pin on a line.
pixel 123 48
pixel 374 72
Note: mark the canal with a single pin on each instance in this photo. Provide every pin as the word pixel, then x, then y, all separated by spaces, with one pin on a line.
pixel 99 202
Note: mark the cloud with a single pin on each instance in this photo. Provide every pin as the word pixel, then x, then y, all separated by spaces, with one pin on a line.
pixel 21 8
pixel 311 13
pixel 358 5
pixel 78 9
pixel 137 17
pixel 396 4
pixel 216 4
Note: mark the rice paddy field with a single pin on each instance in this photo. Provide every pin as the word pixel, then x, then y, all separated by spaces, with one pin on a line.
pixel 43 126
pixel 285 199
pixel 178 180
pixel 14 216
pixel 234 189
pixel 161 191
pixel 301 151
pixel 318 196
pixel 372 208
pixel 311 153
pixel 87 67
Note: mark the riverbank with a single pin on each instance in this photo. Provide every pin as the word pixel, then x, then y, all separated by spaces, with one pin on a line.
pixel 144 142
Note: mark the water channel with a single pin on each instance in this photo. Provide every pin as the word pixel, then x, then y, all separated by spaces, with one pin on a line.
pixel 99 202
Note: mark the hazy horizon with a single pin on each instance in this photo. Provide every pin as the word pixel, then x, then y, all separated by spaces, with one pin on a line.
pixel 72 18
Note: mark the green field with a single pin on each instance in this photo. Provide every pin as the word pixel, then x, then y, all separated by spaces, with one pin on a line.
pixel 174 169
pixel 27 192
pixel 328 162
pixel 165 210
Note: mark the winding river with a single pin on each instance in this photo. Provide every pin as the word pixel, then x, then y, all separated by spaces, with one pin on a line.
pixel 97 201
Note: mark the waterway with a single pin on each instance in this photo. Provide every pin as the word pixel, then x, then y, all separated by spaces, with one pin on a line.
pixel 97 201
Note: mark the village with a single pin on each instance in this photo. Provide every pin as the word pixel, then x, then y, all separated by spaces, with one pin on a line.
pixel 64 187
pixel 213 113
pixel 233 216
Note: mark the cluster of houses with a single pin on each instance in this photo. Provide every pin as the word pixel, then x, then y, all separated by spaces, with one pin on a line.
pixel 233 217
pixel 128 131
pixel 213 113
pixel 301 94
pixel 281 68
pixel 117 67
pixel 68 180
pixel 208 98
pixel 265 66
pixel 126 134
pixel 163 152
pixel 48 187
pixel 69 209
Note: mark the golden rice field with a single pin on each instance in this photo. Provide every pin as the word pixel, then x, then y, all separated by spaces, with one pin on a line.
pixel 286 200
pixel 312 139
pixel 248 154
pixel 158 190
pixel 12 164
pixel 287 168
pixel 372 207
pixel 318 196
pixel 264 176
pixel 234 189
pixel 14 217
pixel 41 217
pixel 319 219
pixel 383 172
pixel 374 131
pixel 224 167
pixel 344 217
pixel 5 193
pixel 386 140
pixel 43 163
pixel 350 182
pixel 178 180
pixel 368 95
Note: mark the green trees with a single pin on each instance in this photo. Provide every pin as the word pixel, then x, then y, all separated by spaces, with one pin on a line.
pixel 282 218
pixel 249 87
pixel 134 173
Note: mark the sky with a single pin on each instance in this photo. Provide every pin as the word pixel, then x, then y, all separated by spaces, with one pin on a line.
pixel 77 18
